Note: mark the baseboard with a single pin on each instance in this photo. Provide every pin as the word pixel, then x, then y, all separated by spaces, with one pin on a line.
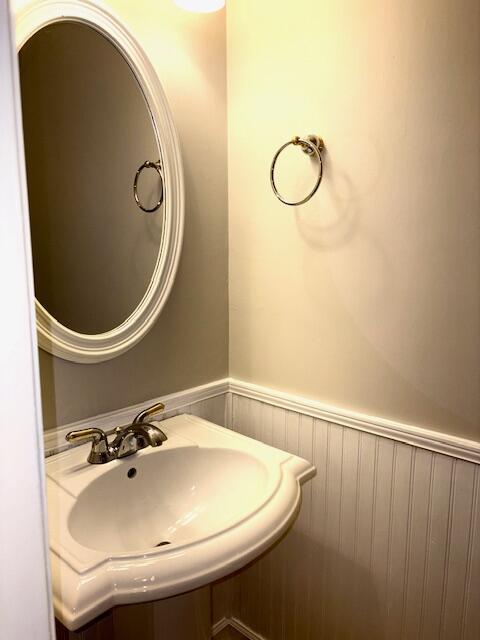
pixel 222 624
pixel 236 624
pixel 446 444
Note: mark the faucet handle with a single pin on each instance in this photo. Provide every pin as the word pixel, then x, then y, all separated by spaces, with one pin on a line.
pixel 83 435
pixel 148 413
pixel 100 451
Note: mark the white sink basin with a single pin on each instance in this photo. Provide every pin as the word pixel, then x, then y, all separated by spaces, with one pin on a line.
pixel 182 494
pixel 212 499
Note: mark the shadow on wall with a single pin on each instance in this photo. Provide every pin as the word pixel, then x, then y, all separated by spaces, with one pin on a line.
pixel 344 219
pixel 332 222
pixel 332 219
pixel 345 604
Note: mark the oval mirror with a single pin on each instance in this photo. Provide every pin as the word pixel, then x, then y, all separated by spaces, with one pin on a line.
pixel 104 181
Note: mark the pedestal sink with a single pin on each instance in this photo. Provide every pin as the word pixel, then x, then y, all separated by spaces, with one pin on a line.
pixel 165 520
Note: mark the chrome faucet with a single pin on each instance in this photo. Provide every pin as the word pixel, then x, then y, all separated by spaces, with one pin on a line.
pixel 128 440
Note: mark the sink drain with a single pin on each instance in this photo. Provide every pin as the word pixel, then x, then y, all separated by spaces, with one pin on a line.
pixel 163 543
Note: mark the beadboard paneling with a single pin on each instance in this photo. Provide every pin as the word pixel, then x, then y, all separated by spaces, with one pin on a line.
pixel 386 546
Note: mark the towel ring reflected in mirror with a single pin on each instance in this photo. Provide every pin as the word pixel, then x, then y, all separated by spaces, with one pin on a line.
pixel 311 145
pixel 148 164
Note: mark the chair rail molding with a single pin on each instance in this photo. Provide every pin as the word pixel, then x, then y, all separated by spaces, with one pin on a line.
pixel 416 436
pixel 186 400
pixel 207 401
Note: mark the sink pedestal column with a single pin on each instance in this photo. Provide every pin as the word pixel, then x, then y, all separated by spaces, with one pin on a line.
pixel 183 617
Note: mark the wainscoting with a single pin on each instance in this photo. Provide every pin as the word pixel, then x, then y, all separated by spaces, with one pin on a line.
pixel 386 546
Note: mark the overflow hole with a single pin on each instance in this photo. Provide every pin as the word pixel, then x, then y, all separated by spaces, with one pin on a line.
pixel 163 543
pixel 131 473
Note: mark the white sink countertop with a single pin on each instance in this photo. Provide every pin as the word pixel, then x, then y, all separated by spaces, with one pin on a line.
pixel 167 519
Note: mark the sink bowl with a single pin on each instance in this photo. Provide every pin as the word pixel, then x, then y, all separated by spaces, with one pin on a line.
pixel 187 494
pixel 165 520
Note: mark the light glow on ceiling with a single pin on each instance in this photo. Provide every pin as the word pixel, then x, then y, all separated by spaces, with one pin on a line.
pixel 200 6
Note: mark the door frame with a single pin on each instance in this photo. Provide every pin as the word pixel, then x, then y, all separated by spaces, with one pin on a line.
pixel 25 587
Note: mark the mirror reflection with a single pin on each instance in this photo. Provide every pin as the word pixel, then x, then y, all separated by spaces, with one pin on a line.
pixel 87 130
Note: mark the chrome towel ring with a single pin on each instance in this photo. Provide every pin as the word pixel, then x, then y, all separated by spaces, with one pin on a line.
pixel 158 168
pixel 312 146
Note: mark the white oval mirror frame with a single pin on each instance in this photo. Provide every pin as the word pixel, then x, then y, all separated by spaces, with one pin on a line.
pixel 53 336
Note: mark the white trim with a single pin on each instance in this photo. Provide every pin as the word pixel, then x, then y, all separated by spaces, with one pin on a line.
pixel 444 443
pixel 220 625
pixel 25 588
pixel 236 624
pixel 243 629
pixel 228 407
pixel 54 439
pixel 52 335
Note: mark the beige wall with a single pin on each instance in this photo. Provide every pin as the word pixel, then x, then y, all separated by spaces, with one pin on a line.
pixel 368 296
pixel 188 344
